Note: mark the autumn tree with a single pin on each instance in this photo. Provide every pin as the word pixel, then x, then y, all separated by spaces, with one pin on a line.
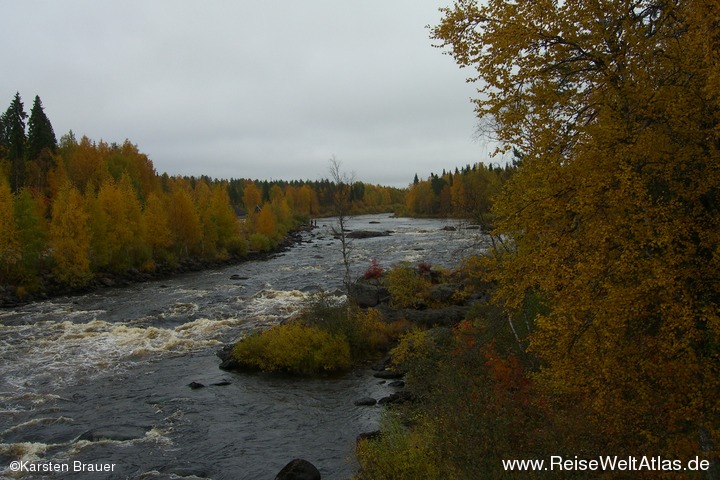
pixel 158 235
pixel 85 162
pixel 70 238
pixel 10 247
pixel 122 235
pixel 266 223
pixel 184 223
pixel 615 212
pixel 252 198
pixel 32 233
pixel 224 220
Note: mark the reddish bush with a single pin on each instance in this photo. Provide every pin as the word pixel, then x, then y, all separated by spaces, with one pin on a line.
pixel 375 270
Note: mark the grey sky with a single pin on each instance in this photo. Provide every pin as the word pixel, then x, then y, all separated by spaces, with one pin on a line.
pixel 264 89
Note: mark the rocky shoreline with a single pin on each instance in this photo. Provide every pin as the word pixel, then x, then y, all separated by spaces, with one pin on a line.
pixel 11 296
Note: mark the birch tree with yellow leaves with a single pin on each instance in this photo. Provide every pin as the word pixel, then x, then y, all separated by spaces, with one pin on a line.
pixel 614 214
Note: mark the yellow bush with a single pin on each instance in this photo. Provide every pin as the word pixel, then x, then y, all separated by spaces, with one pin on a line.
pixel 260 243
pixel 419 353
pixel 294 348
pixel 399 454
pixel 374 333
pixel 407 288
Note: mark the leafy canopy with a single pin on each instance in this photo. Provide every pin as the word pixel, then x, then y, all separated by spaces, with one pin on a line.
pixel 614 215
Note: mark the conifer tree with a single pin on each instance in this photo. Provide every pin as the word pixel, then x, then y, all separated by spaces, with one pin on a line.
pixel 12 137
pixel 40 132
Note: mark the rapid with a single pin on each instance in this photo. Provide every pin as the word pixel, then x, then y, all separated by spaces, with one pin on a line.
pixel 103 378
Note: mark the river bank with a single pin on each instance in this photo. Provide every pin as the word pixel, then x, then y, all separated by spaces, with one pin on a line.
pixel 13 296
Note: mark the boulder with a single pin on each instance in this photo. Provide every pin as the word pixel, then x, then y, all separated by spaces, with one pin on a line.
pixel 119 433
pixel 368 293
pixel 444 293
pixel 366 234
pixel 388 375
pixel 368 436
pixel 397 398
pixel 365 402
pixel 299 469
pixel 227 360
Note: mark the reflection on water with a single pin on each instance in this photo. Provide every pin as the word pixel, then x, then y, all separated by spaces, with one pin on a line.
pixel 104 377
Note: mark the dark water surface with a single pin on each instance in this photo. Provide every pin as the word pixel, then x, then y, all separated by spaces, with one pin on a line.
pixel 117 363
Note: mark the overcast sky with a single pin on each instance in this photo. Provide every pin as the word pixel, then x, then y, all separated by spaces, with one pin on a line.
pixel 248 89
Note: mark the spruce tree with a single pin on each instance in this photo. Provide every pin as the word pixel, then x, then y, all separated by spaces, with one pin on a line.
pixel 13 139
pixel 41 144
pixel 40 132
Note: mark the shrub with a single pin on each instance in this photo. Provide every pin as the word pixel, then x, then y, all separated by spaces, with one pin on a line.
pixel 373 334
pixel 424 268
pixel 260 242
pixel 364 330
pixel 374 271
pixel 398 454
pixel 294 348
pixel 419 354
pixel 237 245
pixel 407 288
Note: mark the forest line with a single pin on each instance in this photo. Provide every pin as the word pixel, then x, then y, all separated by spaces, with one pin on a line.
pixel 71 209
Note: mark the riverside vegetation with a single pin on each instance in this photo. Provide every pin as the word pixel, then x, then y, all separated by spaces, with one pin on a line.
pixel 603 334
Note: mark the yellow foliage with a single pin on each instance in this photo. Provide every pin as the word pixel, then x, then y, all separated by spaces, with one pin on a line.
pixel 266 223
pixel 70 238
pixel 117 221
pixel 613 216
pixel 252 198
pixel 157 229
pixel 10 248
pixel 407 288
pixel 373 332
pixel 399 454
pixel 294 348
pixel 184 222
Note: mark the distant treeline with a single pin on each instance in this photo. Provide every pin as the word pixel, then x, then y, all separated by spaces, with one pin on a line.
pixel 468 193
pixel 72 209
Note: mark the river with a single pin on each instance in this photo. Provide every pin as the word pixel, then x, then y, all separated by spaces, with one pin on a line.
pixel 101 380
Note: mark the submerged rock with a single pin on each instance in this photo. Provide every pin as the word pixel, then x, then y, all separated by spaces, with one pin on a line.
pixel 367 234
pixel 388 374
pixel 299 469
pixel 227 360
pixel 119 433
pixel 365 402
pixel 398 397
pixel 368 436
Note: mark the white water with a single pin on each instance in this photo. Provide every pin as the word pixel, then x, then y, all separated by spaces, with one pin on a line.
pixel 123 358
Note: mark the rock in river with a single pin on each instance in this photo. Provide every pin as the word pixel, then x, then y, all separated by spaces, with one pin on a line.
pixel 298 469
pixel 118 433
